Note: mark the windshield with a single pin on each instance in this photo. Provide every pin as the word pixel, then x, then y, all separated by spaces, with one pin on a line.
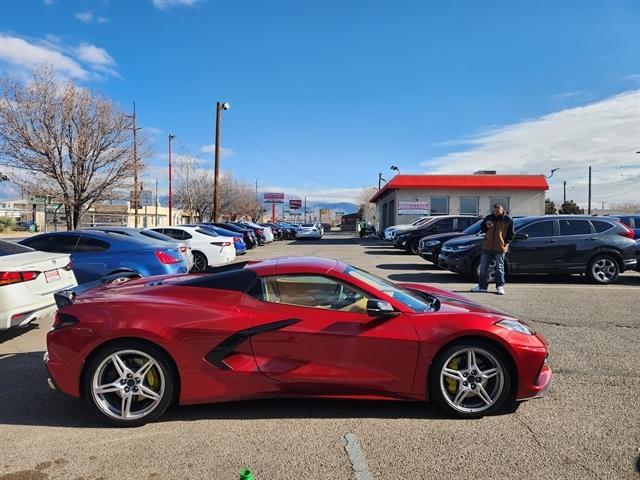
pixel 402 295
pixel 473 229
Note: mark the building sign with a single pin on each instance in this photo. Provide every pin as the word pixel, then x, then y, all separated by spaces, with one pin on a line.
pixel 295 204
pixel 413 208
pixel 274 198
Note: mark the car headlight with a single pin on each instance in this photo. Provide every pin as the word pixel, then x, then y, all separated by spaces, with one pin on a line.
pixel 431 243
pixel 461 248
pixel 515 325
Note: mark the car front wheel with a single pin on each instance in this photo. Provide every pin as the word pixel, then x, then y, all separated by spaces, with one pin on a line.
pixel 470 380
pixel 129 384
pixel 199 263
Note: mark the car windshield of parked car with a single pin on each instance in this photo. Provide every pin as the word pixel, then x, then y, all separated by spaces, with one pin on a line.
pixel 156 235
pixel 402 295
pixel 473 229
pixel 308 225
pixel 10 248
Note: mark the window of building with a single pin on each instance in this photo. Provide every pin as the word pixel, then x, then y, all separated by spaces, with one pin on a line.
pixel 439 205
pixel 504 201
pixel 468 205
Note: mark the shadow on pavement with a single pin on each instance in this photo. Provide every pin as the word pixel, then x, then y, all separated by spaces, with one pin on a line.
pixel 6 335
pixel 27 400
pixel 407 266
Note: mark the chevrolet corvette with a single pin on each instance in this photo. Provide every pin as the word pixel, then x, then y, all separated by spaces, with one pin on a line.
pixel 287 327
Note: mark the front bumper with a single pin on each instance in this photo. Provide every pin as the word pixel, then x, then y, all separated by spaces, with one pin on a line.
pixel 630 264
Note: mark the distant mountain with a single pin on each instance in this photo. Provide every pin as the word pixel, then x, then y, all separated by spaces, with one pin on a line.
pixel 345 207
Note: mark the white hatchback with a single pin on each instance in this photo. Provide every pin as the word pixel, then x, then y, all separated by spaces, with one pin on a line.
pixel 208 248
pixel 28 280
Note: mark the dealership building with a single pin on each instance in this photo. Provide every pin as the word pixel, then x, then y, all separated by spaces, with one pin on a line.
pixel 406 197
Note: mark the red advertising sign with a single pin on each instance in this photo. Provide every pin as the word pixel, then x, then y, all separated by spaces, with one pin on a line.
pixel 274 198
pixel 295 204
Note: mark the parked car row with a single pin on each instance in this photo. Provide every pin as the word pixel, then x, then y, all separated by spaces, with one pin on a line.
pixel 602 247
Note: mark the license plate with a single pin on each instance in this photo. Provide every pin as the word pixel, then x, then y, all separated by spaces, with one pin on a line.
pixel 52 276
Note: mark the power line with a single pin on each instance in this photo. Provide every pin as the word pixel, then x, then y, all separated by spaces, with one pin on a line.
pixel 273 157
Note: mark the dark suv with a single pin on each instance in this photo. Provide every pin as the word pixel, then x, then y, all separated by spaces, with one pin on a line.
pixel 429 247
pixel 409 240
pixel 601 247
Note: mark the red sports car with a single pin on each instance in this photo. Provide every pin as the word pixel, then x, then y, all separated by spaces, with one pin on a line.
pixel 288 327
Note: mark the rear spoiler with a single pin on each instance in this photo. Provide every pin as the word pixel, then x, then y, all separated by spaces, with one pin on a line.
pixel 64 298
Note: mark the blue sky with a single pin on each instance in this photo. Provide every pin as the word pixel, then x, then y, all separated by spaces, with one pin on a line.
pixel 342 89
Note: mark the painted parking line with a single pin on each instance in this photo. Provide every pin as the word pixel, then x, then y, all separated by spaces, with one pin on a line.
pixel 356 457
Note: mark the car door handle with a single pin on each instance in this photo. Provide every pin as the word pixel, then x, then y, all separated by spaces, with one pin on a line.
pixel 592 239
pixel 553 240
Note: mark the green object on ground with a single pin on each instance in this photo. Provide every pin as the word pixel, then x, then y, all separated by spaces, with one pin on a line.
pixel 245 474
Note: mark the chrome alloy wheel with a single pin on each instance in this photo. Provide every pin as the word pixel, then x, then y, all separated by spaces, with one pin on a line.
pixel 199 263
pixel 472 380
pixel 604 270
pixel 128 385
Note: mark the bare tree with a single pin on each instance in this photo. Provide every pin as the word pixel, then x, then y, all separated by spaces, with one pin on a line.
pixel 193 189
pixel 237 198
pixel 63 140
pixel 367 209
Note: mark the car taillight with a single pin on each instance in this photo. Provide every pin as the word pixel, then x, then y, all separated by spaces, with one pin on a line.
pixel 221 244
pixel 63 320
pixel 626 231
pixel 7 278
pixel 236 239
pixel 183 249
pixel 166 259
pixel 260 231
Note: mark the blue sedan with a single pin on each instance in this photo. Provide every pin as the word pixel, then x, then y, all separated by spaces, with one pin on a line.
pixel 238 241
pixel 95 254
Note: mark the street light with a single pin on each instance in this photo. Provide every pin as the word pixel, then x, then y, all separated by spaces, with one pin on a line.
pixel 216 171
pixel 393 167
pixel 553 170
pixel 171 137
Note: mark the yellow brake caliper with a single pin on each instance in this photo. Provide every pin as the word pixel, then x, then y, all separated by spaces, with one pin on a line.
pixel 452 384
pixel 152 379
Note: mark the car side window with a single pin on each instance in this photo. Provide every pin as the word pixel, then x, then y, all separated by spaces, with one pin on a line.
pixel 54 243
pixel 601 226
pixel 88 244
pixel 575 227
pixel 173 233
pixel 444 225
pixel 313 291
pixel 465 222
pixel 538 229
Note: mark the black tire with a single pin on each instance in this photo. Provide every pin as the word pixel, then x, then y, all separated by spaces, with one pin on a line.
pixel 165 372
pixel 503 394
pixel 200 263
pixel 413 247
pixel 603 269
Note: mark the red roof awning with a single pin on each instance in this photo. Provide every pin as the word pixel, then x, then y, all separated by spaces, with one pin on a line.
pixel 484 182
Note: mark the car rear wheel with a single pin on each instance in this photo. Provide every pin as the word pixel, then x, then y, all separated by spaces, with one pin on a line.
pixel 603 269
pixel 470 379
pixel 129 384
pixel 199 262
pixel 413 247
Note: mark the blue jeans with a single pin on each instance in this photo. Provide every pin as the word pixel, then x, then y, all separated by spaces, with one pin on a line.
pixel 485 261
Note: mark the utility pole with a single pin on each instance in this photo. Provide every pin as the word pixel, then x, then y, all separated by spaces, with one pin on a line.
pixel 305 209
pixel 136 191
pixel 380 180
pixel 564 194
pixel 171 137
pixel 216 169
pixel 157 201
pixel 589 204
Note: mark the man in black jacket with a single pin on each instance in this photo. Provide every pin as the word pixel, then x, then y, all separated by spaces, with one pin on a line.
pixel 498 230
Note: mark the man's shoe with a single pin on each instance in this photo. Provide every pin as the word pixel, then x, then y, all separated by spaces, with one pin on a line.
pixel 500 290
pixel 479 290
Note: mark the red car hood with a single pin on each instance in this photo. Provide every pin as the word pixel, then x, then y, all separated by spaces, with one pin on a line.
pixel 453 301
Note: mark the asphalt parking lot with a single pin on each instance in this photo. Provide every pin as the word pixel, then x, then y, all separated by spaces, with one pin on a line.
pixel 588 426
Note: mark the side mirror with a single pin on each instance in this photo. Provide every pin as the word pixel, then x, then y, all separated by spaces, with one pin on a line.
pixel 380 309
pixel 521 236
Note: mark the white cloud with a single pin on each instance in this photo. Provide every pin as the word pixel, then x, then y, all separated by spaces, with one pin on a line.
pixel 162 4
pixel 603 134
pixel 49 2
pixel 210 148
pixel 84 17
pixel 84 62
pixel 18 52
